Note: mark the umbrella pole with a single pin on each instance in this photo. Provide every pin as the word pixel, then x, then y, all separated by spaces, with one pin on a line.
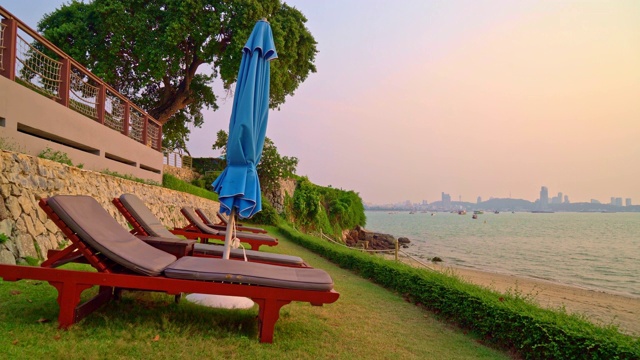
pixel 228 235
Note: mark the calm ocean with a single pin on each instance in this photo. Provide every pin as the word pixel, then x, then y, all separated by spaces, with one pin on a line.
pixel 599 251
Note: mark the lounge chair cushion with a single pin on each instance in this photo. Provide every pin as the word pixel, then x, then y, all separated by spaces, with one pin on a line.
pixel 93 224
pixel 252 255
pixel 148 221
pixel 241 272
pixel 191 215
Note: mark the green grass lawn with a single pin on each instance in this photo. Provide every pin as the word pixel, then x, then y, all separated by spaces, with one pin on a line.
pixel 367 322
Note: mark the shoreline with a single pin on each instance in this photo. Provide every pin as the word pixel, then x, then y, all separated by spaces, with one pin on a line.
pixel 599 307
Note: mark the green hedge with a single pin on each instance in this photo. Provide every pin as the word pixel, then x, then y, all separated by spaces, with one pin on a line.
pixel 505 320
pixel 173 183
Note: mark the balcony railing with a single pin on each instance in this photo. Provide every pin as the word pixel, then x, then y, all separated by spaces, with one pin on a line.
pixel 31 60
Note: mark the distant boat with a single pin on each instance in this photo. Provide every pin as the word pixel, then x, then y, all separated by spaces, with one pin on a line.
pixel 462 212
pixel 474 216
pixel 542 211
pixel 478 212
pixel 411 212
pixel 496 212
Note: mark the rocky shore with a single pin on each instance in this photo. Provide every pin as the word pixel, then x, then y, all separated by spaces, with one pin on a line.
pixel 361 237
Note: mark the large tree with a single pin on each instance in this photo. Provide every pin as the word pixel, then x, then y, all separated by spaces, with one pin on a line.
pixel 166 54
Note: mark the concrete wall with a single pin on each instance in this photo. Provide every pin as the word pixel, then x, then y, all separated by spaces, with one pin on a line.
pixel 25 179
pixel 34 122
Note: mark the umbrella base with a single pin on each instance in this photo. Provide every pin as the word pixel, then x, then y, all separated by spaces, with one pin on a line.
pixel 220 301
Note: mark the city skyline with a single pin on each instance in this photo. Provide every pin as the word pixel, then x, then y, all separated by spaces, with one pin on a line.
pixel 447 198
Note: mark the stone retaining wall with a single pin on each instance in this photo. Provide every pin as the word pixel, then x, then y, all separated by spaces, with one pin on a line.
pixel 24 180
pixel 277 198
pixel 184 174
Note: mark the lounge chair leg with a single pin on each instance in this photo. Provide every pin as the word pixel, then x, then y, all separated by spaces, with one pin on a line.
pixel 267 316
pixel 117 294
pixel 68 299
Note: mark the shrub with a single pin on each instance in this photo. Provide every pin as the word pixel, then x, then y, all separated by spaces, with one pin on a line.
pixel 57 156
pixel 268 215
pixel 328 209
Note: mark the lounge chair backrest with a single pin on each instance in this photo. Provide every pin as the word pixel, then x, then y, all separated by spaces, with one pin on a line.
pixel 149 222
pixel 204 217
pixel 223 217
pixel 93 225
pixel 194 219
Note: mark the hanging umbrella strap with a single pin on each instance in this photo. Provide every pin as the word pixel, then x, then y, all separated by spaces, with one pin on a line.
pixel 235 242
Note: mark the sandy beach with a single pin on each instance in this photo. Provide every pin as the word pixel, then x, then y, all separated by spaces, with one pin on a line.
pixel 599 307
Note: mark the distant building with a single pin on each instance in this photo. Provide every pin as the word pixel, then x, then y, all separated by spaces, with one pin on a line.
pixel 557 199
pixel 446 201
pixel 594 201
pixel 627 202
pixel 566 199
pixel 479 199
pixel 618 201
pixel 544 197
pixel 425 202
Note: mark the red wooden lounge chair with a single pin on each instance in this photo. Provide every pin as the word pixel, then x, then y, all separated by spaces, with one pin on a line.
pixel 223 225
pixel 149 228
pixel 199 230
pixel 124 261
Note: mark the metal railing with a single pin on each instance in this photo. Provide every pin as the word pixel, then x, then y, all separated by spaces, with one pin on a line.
pixel 176 159
pixel 28 58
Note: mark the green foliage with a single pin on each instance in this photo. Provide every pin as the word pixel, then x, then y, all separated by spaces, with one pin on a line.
pixel 31 261
pixel 206 180
pixel 328 209
pixel 505 320
pixel 205 165
pixel 153 51
pixel 130 177
pixel 268 215
pixel 306 204
pixel 171 182
pixel 273 167
pixel 57 156
pixel 222 138
pixel 3 238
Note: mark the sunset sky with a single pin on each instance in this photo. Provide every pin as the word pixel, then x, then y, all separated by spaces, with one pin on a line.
pixel 471 98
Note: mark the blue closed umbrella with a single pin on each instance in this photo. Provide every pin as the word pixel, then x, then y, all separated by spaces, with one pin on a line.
pixel 238 186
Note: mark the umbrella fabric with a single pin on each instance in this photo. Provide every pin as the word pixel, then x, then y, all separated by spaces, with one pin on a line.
pixel 238 186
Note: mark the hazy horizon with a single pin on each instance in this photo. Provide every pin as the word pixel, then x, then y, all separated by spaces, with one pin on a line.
pixel 490 98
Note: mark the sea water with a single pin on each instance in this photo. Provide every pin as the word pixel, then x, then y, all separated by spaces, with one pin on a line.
pixel 598 251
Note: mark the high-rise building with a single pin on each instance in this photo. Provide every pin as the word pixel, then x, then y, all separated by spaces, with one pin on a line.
pixel 618 201
pixel 544 197
pixel 479 199
pixel 446 201
pixel 627 202
pixel 566 199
